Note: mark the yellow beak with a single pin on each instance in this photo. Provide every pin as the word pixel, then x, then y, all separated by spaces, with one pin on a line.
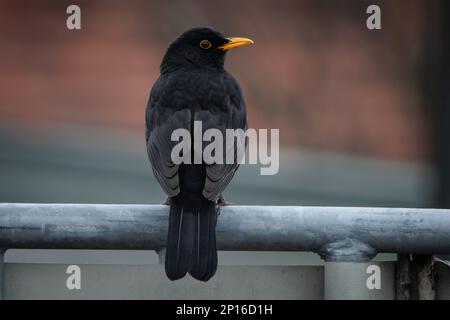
pixel 235 42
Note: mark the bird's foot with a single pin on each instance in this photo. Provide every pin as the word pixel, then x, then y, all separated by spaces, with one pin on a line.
pixel 221 203
pixel 167 202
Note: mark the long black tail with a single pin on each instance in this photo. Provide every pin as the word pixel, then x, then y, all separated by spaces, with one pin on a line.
pixel 191 241
pixel 204 254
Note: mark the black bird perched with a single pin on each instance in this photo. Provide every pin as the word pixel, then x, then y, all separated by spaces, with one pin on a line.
pixel 193 86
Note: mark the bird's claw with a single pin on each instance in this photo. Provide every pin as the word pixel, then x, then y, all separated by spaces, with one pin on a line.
pixel 221 203
pixel 167 202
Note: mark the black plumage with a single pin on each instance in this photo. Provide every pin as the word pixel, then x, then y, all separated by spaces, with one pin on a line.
pixel 193 86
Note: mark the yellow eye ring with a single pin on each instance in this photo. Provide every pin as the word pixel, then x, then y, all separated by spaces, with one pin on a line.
pixel 205 44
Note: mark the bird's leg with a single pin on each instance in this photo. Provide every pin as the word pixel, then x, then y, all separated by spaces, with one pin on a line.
pixel 167 202
pixel 221 203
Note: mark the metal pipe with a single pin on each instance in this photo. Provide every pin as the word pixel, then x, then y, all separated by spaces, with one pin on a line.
pixel 336 233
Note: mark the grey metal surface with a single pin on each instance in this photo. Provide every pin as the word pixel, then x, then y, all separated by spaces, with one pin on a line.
pixel 336 233
pixel 334 280
pixel 48 281
pixel 145 257
pixel 348 281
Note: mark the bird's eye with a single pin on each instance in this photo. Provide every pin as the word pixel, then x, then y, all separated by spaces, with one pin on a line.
pixel 205 44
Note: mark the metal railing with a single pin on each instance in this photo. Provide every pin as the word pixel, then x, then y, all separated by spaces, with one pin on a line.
pixel 337 234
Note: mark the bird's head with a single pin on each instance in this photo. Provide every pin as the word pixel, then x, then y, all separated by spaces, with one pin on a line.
pixel 200 48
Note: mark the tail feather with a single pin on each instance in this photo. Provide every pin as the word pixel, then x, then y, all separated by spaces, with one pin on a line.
pixel 179 241
pixel 204 254
pixel 191 241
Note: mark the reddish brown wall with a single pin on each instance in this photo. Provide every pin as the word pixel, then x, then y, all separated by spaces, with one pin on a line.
pixel 315 72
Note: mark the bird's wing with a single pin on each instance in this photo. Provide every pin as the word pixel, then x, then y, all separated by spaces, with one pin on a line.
pixel 228 113
pixel 220 106
pixel 161 121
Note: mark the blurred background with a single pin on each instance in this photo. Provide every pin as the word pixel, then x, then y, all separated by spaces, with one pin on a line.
pixel 354 107
pixel 363 115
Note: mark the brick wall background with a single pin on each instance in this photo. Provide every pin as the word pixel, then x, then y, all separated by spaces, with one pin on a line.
pixel 315 72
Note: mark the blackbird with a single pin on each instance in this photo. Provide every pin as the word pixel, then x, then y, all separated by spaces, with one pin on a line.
pixel 193 86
